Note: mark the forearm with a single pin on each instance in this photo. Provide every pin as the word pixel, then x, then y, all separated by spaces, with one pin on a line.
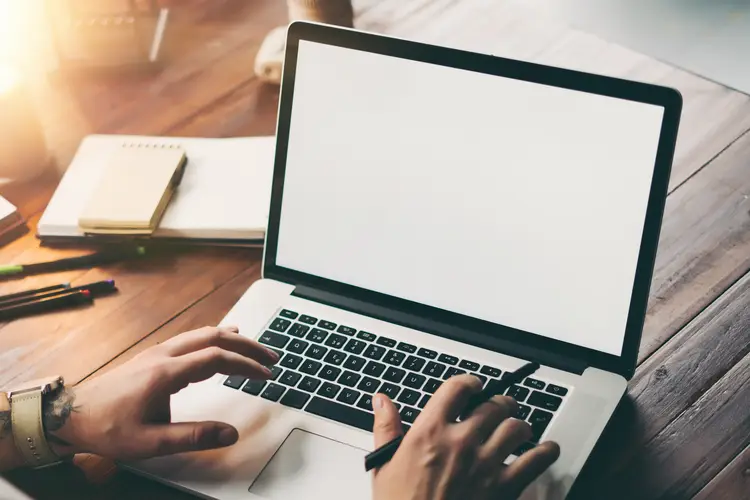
pixel 56 414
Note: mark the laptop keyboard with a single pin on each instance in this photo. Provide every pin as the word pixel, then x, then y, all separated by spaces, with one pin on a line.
pixel 333 371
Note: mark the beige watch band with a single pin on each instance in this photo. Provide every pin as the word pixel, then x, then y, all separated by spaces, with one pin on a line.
pixel 28 429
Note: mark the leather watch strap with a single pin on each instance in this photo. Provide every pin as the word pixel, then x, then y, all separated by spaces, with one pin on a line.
pixel 28 429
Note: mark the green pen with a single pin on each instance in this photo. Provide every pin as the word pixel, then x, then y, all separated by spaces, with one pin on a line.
pixel 95 259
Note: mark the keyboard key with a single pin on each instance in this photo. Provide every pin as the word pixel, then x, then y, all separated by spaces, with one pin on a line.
pixel 517 392
pixel 448 359
pixel 370 337
pixel 539 421
pixel 427 353
pixel 355 346
pixel 432 385
pixel 409 414
pixel 346 330
pixel 354 363
pixel 234 381
pixel 329 390
pixel 316 351
pixel 273 392
pixel 414 380
pixel 295 399
pixel 310 367
pixel 298 330
pixel 348 396
pixel 329 373
pixel 403 346
pixel 280 324
pixel 546 401
pixel 556 390
pixel 365 402
pixel 291 361
pixel 309 384
pixel 409 397
pixel 386 342
pixel 393 374
pixel 290 378
pixel 451 372
pixel 273 339
pixel 523 448
pixel 534 383
pixel 317 335
pixel 275 372
pixel 468 365
pixel 286 313
pixel 297 346
pixel 326 324
pixel 414 363
pixel 369 384
pixel 523 411
pixel 390 390
pixel 336 341
pixel 423 402
pixel 434 369
pixel 394 358
pixel 490 371
pixel 483 378
pixel 374 352
pixel 335 357
pixel 374 369
pixel 349 379
pixel 340 413
pixel 308 319
pixel 254 387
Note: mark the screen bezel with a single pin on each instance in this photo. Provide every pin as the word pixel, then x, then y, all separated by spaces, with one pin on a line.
pixel 665 97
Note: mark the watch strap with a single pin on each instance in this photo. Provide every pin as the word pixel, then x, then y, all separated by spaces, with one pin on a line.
pixel 28 429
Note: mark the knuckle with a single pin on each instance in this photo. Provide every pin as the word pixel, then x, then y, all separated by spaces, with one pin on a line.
pixel 214 354
pixel 519 428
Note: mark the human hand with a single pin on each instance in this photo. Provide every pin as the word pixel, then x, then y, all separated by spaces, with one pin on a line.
pixel 441 459
pixel 125 413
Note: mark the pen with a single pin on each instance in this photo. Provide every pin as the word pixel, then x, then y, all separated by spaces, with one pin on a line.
pixel 382 455
pixel 97 289
pixel 94 259
pixel 27 293
pixel 71 299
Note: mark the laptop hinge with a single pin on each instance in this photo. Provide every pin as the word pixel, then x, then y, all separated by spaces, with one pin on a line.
pixel 442 329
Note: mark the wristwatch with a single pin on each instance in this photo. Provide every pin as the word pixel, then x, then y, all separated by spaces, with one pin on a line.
pixel 26 421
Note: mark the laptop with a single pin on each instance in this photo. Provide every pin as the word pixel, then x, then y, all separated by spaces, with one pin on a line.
pixel 477 213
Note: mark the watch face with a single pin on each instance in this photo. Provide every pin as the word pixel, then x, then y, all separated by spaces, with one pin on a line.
pixel 53 383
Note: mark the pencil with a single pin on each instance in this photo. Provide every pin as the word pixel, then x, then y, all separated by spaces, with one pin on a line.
pixel 72 299
pixel 383 455
pixel 97 289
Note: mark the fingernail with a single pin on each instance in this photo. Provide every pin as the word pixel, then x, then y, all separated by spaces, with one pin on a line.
pixel 273 354
pixel 377 403
pixel 267 371
pixel 228 436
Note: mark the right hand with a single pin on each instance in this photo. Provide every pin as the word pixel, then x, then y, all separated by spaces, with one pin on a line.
pixel 441 459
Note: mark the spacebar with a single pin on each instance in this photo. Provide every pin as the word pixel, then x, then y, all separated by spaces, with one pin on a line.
pixel 341 413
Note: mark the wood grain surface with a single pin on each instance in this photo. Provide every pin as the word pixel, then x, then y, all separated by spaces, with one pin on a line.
pixel 683 429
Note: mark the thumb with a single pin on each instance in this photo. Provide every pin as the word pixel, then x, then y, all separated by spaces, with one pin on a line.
pixel 387 420
pixel 188 436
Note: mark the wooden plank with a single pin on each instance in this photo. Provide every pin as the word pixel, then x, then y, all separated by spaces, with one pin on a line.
pixel 732 482
pixel 682 375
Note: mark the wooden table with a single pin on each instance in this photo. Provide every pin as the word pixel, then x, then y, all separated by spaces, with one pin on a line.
pixel 683 430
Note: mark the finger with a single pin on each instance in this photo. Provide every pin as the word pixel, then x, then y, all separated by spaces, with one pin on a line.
pixel 225 338
pixel 204 364
pixel 188 436
pixel 486 418
pixel 450 399
pixel 387 425
pixel 508 436
pixel 526 468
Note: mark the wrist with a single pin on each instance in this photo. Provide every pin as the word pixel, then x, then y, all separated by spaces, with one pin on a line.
pixel 62 414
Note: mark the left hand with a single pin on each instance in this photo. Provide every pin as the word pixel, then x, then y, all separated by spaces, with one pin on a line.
pixel 125 413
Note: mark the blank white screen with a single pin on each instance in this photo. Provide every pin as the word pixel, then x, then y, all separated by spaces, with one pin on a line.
pixel 513 202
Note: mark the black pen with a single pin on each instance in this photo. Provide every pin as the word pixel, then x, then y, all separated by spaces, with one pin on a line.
pixel 29 293
pixel 71 299
pixel 97 289
pixel 382 455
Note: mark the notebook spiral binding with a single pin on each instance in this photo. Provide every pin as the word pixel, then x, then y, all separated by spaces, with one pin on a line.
pixel 150 145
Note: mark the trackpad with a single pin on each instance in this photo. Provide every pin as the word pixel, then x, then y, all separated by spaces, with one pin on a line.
pixel 308 465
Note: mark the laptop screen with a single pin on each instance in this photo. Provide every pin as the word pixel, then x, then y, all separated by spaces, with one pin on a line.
pixel 513 202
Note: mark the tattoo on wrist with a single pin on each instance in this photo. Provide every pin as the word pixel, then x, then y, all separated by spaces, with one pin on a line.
pixel 4 424
pixel 56 411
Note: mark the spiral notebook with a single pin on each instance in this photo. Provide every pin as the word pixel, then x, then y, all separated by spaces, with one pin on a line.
pixel 223 196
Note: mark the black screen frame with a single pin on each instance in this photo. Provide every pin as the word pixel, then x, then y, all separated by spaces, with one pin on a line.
pixel 667 98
